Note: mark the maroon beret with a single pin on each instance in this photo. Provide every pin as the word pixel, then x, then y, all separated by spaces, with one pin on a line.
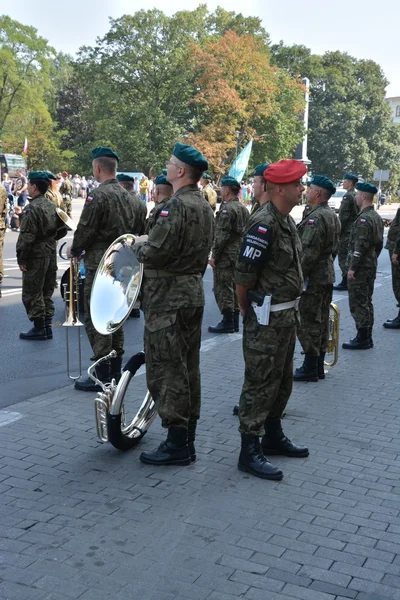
pixel 285 171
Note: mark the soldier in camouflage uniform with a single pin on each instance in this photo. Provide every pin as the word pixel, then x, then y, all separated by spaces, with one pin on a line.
pixel 66 193
pixel 230 222
pixel 52 193
pixel 163 194
pixel 109 211
pixel 209 193
pixel 319 234
pixel 259 187
pixel 40 227
pixel 348 211
pixel 269 268
pixel 3 213
pixel 366 242
pixel 175 256
pixel 393 245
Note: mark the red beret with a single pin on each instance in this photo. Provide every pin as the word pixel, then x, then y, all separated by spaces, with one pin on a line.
pixel 64 173
pixel 285 171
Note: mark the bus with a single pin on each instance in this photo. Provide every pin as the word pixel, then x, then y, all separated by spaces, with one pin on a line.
pixel 11 163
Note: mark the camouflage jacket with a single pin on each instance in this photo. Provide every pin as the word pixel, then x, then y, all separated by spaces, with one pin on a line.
pixel 109 212
pixel 366 240
pixel 3 206
pixel 270 260
pixel 393 237
pixel 153 216
pixel 175 256
pixel 66 189
pixel 348 211
pixel 230 222
pixel 54 197
pixel 210 195
pixel 40 227
pixel 319 234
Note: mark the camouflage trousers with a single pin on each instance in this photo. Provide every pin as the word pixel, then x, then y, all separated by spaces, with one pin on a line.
pixel 268 378
pixel 313 332
pixel 2 234
pixel 225 289
pixel 38 283
pixel 67 206
pixel 360 298
pixel 172 348
pixel 395 278
pixel 101 344
pixel 343 250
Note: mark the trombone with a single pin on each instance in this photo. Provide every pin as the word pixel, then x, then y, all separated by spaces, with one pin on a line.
pixel 71 297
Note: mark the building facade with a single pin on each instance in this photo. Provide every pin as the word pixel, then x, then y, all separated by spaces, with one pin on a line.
pixel 394 104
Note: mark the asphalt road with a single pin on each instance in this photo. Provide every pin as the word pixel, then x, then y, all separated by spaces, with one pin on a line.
pixel 28 369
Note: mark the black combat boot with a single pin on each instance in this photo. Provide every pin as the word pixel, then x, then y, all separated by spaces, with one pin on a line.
pixel 275 441
pixel 135 313
pixel 236 316
pixel 393 323
pixel 191 438
pixel 49 328
pixel 0 288
pixel 321 366
pixel 236 410
pixel 252 460
pixel 103 372
pixel 174 451
pixel 224 326
pixel 308 371
pixel 38 331
pixel 362 341
pixel 371 341
pixel 342 286
pixel 116 366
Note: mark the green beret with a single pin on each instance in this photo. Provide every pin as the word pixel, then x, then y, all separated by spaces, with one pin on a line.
pixel 123 177
pixel 230 182
pixel 39 175
pixel 368 188
pixel 323 182
pixel 164 171
pixel 161 180
pixel 51 176
pixel 207 176
pixel 350 176
pixel 100 151
pixel 259 170
pixel 190 156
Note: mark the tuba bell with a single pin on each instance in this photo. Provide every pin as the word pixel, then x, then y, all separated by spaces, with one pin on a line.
pixel 333 340
pixel 115 289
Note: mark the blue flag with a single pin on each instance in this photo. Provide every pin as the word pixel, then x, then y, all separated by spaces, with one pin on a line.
pixel 239 165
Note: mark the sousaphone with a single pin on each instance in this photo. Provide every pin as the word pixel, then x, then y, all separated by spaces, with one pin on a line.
pixel 116 287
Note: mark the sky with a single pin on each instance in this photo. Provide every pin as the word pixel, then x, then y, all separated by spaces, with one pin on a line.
pixel 364 28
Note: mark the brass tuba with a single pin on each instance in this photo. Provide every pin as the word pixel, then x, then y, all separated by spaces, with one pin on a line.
pixel 333 340
pixel 116 287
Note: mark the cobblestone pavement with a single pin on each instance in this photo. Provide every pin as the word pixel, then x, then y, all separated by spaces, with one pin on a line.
pixel 81 520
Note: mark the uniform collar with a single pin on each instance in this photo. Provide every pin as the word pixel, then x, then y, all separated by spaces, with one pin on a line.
pixel 283 219
pixel 367 208
pixel 107 181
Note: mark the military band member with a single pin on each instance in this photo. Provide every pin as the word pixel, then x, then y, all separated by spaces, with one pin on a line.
pixel 319 233
pixel 127 183
pixel 66 193
pixel 269 272
pixel 40 227
pixel 52 193
pixel 230 222
pixel 162 195
pixel 3 214
pixel 109 212
pixel 209 193
pixel 393 245
pixel 175 256
pixel 348 211
pixel 366 242
pixel 259 187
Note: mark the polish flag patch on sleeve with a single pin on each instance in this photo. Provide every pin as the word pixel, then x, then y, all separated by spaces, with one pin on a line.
pixel 164 213
pixel 89 199
pixel 262 229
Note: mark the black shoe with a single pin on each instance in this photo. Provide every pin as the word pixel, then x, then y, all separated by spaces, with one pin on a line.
pixel 321 366
pixel 342 286
pixel 49 328
pixel 236 316
pixel 0 290
pixel 308 371
pixel 275 442
pixel 174 451
pixel 362 341
pixel 252 460
pixel 116 366
pixel 38 331
pixel 224 326
pixel 236 410
pixel 393 323
pixel 191 438
pixel 103 372
pixel 135 313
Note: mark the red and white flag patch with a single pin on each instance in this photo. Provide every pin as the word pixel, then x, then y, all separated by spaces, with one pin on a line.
pixel 89 199
pixel 262 229
pixel 363 220
pixel 164 213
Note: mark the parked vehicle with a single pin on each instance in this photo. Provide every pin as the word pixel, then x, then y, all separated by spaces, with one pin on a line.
pixel 11 164
pixel 335 201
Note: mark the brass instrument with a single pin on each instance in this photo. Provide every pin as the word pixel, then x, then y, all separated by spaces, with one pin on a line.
pixel 116 287
pixel 333 341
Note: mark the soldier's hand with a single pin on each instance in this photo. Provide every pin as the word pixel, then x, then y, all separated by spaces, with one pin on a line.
pixel 141 238
pixel 395 259
pixel 22 268
pixel 211 262
pixel 351 275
